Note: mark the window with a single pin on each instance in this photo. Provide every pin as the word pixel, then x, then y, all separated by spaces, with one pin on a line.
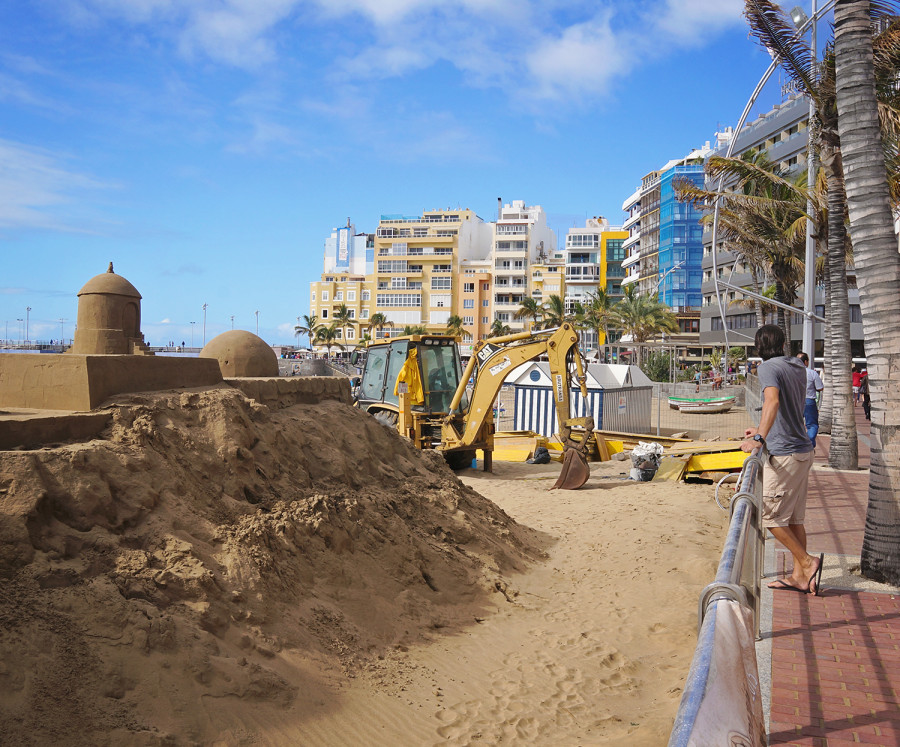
pixel 468 287
pixel 398 299
pixel 351 333
pixel 352 313
pixel 485 286
pixel 312 296
pixel 351 295
pixel 324 313
pixel 364 314
pixel 468 303
pixel 324 295
pixel 366 295
pixel 442 268
pixel 485 320
pixel 469 320
pixel 339 295
pixel 486 302
pixel 614 250
pixel 389 266
pixel 441 283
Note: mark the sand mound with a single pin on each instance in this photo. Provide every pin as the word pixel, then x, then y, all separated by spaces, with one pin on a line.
pixel 211 552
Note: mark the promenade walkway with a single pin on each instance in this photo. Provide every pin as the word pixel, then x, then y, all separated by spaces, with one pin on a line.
pixel 835 658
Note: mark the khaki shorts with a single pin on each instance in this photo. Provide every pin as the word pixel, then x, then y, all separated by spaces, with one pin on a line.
pixel 785 479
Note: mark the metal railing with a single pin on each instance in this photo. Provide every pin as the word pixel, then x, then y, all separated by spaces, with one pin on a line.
pixel 722 694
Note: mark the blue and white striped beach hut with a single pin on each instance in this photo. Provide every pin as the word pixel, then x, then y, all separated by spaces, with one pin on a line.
pixel 618 398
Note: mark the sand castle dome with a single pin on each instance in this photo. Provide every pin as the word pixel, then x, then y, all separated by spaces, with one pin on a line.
pixel 108 283
pixel 109 317
pixel 241 355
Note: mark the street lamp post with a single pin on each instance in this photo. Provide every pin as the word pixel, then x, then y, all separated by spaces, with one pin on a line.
pixel 21 330
pixel 192 334
pixel 62 333
pixel 27 318
pixel 232 321
pixel 204 324
pixel 257 322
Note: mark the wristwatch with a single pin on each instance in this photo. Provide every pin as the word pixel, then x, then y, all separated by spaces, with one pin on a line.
pixel 759 439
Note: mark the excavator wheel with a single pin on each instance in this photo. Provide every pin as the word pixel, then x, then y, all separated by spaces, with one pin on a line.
pixel 574 473
pixel 387 417
pixel 458 460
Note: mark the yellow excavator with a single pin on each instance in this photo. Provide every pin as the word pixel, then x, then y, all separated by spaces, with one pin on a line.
pixel 416 383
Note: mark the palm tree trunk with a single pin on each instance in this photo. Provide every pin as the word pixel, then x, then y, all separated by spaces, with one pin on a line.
pixel 826 410
pixel 878 278
pixel 757 304
pixel 784 317
pixel 844 450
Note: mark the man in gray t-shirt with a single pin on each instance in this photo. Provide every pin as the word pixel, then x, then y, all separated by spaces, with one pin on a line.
pixel 782 431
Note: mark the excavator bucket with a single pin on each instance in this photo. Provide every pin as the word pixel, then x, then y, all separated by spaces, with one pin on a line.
pixel 574 472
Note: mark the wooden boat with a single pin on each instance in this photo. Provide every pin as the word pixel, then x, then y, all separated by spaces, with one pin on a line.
pixel 702 404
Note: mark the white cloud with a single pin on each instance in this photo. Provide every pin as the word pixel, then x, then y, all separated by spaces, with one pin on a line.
pixel 691 22
pixel 36 189
pixel 583 59
pixel 550 48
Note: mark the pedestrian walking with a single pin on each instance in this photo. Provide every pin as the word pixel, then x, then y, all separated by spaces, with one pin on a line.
pixel 856 378
pixel 864 393
pixel 814 387
pixel 789 456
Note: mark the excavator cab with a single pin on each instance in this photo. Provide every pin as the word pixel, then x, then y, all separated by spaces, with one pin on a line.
pixel 438 366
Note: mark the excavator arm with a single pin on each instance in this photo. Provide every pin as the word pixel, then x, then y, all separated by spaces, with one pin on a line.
pixel 491 362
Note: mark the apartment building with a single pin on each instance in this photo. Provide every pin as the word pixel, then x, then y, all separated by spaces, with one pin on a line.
pixel 348 263
pixel 593 260
pixel 417 264
pixel 664 246
pixel 521 239
pixel 781 133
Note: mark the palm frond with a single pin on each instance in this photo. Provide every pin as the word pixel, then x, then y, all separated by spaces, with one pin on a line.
pixel 774 30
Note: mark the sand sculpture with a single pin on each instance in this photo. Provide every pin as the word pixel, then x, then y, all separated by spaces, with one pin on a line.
pixel 241 354
pixel 109 318
pixel 108 357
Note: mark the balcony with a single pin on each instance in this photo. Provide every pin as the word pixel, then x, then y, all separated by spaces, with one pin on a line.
pixel 633 259
pixel 583 274
pixel 632 219
pixel 632 240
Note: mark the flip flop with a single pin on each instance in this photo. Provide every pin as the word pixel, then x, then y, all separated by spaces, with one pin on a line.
pixel 780 584
pixel 817 576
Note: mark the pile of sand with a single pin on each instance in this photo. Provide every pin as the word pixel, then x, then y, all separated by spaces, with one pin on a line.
pixel 212 561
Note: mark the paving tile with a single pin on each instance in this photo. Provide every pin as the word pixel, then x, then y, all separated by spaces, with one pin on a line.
pixel 835 657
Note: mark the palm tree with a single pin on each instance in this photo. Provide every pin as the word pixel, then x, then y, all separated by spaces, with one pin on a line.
pixel 499 329
pixel 776 32
pixel 415 329
pixel 643 317
pixel 554 312
pixel 343 317
pixel 597 314
pixel 309 327
pixel 529 309
pixel 878 276
pixel 377 322
pixel 328 336
pixel 455 326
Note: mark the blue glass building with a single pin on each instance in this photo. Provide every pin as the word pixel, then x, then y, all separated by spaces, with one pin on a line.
pixel 680 240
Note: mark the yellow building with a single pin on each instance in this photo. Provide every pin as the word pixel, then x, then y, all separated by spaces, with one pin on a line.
pixel 333 291
pixel 417 266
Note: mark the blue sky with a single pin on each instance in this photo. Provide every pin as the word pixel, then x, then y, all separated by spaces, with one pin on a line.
pixel 208 147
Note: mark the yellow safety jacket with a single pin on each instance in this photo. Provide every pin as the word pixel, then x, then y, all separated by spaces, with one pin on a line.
pixel 409 375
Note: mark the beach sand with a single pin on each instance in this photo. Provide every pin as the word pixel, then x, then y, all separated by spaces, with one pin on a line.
pixel 213 571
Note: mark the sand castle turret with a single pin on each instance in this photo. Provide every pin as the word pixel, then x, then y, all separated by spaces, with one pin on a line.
pixel 109 318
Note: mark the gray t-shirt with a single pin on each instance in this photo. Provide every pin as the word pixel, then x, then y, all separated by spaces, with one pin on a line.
pixel 788 434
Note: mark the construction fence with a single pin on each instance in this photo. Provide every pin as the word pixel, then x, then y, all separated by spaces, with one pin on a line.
pixel 662 419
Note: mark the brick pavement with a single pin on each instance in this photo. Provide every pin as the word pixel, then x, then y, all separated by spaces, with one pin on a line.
pixel 836 657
